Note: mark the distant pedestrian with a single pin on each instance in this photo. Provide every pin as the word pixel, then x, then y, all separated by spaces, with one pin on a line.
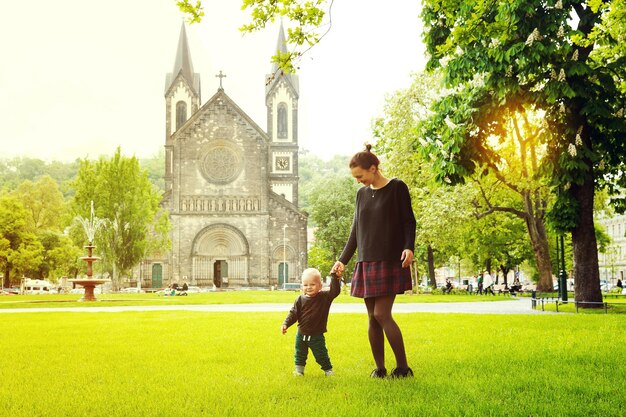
pixel 311 310
pixel 479 283
pixel 619 283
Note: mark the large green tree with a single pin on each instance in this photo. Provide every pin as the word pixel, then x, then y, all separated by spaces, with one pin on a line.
pixel 449 217
pixel 20 251
pixel 508 59
pixel 124 197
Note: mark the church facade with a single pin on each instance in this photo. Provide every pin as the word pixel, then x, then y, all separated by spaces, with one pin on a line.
pixel 231 187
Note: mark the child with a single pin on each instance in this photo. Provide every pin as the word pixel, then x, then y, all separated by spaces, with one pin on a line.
pixel 310 310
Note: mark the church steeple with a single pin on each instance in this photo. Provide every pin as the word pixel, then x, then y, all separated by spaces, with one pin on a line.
pixel 183 64
pixel 281 99
pixel 281 46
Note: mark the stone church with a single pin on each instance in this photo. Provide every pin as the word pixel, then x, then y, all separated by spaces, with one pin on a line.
pixel 231 187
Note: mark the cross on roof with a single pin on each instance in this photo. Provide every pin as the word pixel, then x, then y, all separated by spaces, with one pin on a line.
pixel 220 76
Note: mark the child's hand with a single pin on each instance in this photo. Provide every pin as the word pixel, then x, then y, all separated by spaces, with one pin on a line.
pixel 283 328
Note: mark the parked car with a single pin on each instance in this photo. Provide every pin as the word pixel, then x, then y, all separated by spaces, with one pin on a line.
pixel 605 286
pixel 291 286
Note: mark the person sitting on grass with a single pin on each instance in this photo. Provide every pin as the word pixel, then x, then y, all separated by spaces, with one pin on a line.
pixel 311 310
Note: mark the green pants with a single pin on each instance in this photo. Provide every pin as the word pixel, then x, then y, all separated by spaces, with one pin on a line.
pixel 318 347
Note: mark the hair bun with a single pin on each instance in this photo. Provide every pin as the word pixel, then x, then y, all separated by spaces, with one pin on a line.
pixel 368 147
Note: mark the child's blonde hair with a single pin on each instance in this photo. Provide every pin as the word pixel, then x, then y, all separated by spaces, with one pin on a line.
pixel 312 272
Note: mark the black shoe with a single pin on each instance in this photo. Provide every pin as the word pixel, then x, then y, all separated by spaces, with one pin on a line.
pixel 378 373
pixel 402 373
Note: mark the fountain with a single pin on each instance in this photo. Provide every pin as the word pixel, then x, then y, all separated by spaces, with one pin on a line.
pixel 89 284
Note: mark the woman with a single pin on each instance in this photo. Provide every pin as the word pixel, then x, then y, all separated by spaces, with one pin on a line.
pixel 383 230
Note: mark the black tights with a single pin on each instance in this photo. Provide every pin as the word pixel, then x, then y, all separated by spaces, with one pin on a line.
pixel 381 324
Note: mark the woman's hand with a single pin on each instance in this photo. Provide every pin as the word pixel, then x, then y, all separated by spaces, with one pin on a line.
pixel 407 258
pixel 338 268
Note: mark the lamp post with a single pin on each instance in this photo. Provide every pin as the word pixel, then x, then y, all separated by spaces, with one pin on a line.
pixel 562 275
pixel 285 280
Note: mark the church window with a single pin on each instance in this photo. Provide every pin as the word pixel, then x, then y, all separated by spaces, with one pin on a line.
pixel 281 130
pixel 181 114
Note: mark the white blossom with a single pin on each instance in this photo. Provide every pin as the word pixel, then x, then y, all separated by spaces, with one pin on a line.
pixel 447 179
pixel 423 142
pixel 601 165
pixel 562 75
pixel 562 107
pixel 553 74
pixel 534 36
pixel 575 55
pixel 561 32
pixel 620 113
pixel 439 143
pixel 571 149
pixel 580 130
pixel 559 5
pixel 449 123
pixel 509 71
pixel 579 140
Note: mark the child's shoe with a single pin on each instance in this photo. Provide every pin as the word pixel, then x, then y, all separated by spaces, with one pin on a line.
pixel 299 371
pixel 329 372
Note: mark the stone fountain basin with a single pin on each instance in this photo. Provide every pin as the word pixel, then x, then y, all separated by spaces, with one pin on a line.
pixel 89 284
pixel 89 281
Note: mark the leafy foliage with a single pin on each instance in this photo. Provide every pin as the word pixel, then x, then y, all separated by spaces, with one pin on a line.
pixel 123 195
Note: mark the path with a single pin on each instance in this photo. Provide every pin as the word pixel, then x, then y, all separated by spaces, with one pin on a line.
pixel 514 306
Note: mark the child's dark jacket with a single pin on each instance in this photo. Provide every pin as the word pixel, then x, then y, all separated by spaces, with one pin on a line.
pixel 311 313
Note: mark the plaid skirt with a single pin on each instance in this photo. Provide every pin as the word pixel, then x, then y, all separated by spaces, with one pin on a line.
pixel 378 278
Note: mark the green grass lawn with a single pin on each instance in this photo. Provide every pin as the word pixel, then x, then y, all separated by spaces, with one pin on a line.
pixel 221 297
pixel 234 364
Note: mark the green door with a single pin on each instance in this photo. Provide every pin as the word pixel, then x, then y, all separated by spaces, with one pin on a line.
pixel 283 273
pixel 157 276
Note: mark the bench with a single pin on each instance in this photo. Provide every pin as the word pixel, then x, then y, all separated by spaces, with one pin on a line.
pixel 501 289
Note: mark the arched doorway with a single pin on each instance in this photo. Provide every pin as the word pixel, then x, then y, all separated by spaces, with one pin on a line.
pixel 220 256
pixel 220 272
pixel 284 265
pixel 283 273
pixel 157 275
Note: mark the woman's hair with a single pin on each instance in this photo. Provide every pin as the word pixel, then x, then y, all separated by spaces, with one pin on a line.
pixel 364 159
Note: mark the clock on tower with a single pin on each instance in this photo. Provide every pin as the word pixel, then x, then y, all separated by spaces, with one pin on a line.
pixel 282 163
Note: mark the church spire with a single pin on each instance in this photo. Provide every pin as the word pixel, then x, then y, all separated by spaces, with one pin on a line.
pixel 281 46
pixel 183 63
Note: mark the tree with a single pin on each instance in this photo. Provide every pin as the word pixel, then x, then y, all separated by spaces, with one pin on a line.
pixel 447 216
pixel 44 201
pixel 61 257
pixel 125 198
pixel 332 209
pixel 502 59
pixel 20 250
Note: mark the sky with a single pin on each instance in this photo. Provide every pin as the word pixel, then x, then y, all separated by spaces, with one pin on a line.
pixel 80 78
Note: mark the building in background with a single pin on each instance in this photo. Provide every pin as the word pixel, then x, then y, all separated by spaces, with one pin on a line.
pixel 612 263
pixel 231 187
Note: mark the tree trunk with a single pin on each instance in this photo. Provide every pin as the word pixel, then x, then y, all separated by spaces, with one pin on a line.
pixel 5 278
pixel 539 241
pixel 586 270
pixel 505 272
pixel 431 267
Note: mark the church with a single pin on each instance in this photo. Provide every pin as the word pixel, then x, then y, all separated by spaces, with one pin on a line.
pixel 231 188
